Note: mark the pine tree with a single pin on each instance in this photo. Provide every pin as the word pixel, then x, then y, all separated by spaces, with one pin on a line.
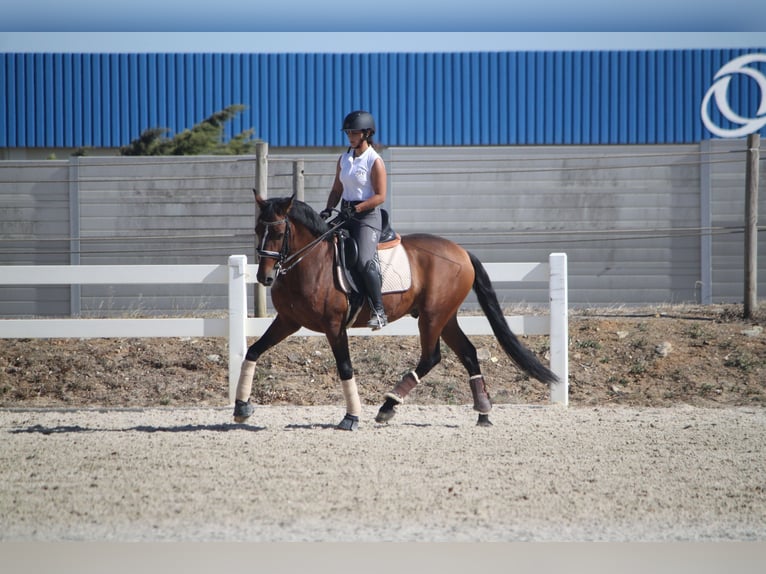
pixel 205 138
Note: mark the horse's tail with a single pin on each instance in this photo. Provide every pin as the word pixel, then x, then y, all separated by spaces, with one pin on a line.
pixel 523 357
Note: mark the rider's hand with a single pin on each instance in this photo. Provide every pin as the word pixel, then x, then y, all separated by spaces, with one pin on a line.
pixel 325 214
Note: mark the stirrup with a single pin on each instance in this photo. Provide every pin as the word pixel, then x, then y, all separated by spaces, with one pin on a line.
pixel 377 321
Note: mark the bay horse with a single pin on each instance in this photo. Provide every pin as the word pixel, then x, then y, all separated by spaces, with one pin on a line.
pixel 297 252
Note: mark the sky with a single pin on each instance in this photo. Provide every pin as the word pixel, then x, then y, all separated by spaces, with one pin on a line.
pixel 315 26
pixel 313 42
pixel 384 15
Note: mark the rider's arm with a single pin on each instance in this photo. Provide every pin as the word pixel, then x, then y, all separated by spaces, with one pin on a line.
pixel 336 191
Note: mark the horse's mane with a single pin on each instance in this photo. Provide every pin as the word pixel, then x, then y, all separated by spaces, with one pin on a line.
pixel 300 213
pixel 306 216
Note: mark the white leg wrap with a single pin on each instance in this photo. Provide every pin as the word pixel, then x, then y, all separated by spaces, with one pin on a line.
pixel 245 384
pixel 351 393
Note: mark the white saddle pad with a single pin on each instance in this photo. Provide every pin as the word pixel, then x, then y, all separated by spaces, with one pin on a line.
pixel 395 267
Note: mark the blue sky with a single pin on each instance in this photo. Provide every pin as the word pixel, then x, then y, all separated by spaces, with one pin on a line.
pixel 384 15
pixel 278 42
pixel 377 25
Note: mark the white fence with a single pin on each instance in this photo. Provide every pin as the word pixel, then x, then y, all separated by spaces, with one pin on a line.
pixel 238 326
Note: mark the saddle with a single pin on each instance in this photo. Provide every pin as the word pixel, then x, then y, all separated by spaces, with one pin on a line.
pixel 394 266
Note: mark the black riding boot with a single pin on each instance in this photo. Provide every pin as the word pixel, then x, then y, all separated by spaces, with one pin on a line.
pixel 372 283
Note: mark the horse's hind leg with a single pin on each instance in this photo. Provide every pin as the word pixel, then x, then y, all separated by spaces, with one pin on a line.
pixel 457 341
pixel 430 355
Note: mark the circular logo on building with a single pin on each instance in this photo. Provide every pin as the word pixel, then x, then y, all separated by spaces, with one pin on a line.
pixel 720 93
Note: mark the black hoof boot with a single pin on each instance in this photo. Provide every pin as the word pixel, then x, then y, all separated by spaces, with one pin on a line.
pixel 349 423
pixel 242 411
pixel 483 421
pixel 387 411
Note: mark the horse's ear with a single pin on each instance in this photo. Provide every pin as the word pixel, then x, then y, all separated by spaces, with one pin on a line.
pixel 290 203
pixel 258 199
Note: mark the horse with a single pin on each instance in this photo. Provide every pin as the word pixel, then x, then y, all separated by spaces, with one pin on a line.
pixel 297 258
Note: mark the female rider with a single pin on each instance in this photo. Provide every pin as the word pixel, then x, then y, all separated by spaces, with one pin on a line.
pixel 360 184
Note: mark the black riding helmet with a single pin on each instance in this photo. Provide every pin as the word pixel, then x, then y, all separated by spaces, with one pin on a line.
pixel 359 120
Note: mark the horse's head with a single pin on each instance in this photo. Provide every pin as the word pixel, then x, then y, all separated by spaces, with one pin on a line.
pixel 273 232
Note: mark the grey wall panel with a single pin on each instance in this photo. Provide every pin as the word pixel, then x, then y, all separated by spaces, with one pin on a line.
pixel 34 229
pixel 611 209
pixel 164 211
pixel 728 214
pixel 627 216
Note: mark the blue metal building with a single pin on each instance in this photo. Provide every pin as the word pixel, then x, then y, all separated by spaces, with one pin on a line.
pixel 419 99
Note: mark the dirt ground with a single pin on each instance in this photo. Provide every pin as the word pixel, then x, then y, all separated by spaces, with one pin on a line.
pixel 706 356
pixel 613 473
pixel 132 440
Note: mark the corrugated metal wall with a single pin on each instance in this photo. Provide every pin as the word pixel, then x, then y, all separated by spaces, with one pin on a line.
pixel 419 99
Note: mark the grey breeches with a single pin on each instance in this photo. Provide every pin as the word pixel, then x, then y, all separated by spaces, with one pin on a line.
pixel 366 230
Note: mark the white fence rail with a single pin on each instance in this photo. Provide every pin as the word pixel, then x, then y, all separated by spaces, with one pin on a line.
pixel 238 326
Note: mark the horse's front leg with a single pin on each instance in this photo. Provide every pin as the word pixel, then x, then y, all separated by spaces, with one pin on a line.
pixel 339 345
pixel 279 330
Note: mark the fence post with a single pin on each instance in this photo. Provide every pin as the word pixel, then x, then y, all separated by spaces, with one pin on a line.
pixel 751 225
pixel 706 223
pixel 298 180
pixel 559 328
pixel 237 319
pixel 75 291
pixel 261 186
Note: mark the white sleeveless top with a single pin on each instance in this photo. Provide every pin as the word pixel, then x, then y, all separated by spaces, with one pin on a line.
pixel 356 174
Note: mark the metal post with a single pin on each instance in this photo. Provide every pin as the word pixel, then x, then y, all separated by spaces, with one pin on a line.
pixel 261 186
pixel 751 225
pixel 559 329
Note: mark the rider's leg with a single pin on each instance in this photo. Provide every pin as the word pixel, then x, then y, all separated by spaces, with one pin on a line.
pixel 372 282
pixel 367 234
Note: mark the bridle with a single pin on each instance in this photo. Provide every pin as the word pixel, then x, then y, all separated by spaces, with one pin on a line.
pixel 282 254
pixel 284 260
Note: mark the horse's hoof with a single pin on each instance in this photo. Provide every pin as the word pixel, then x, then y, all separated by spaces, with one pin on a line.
pixel 388 409
pixel 349 423
pixel 483 421
pixel 242 411
pixel 385 414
